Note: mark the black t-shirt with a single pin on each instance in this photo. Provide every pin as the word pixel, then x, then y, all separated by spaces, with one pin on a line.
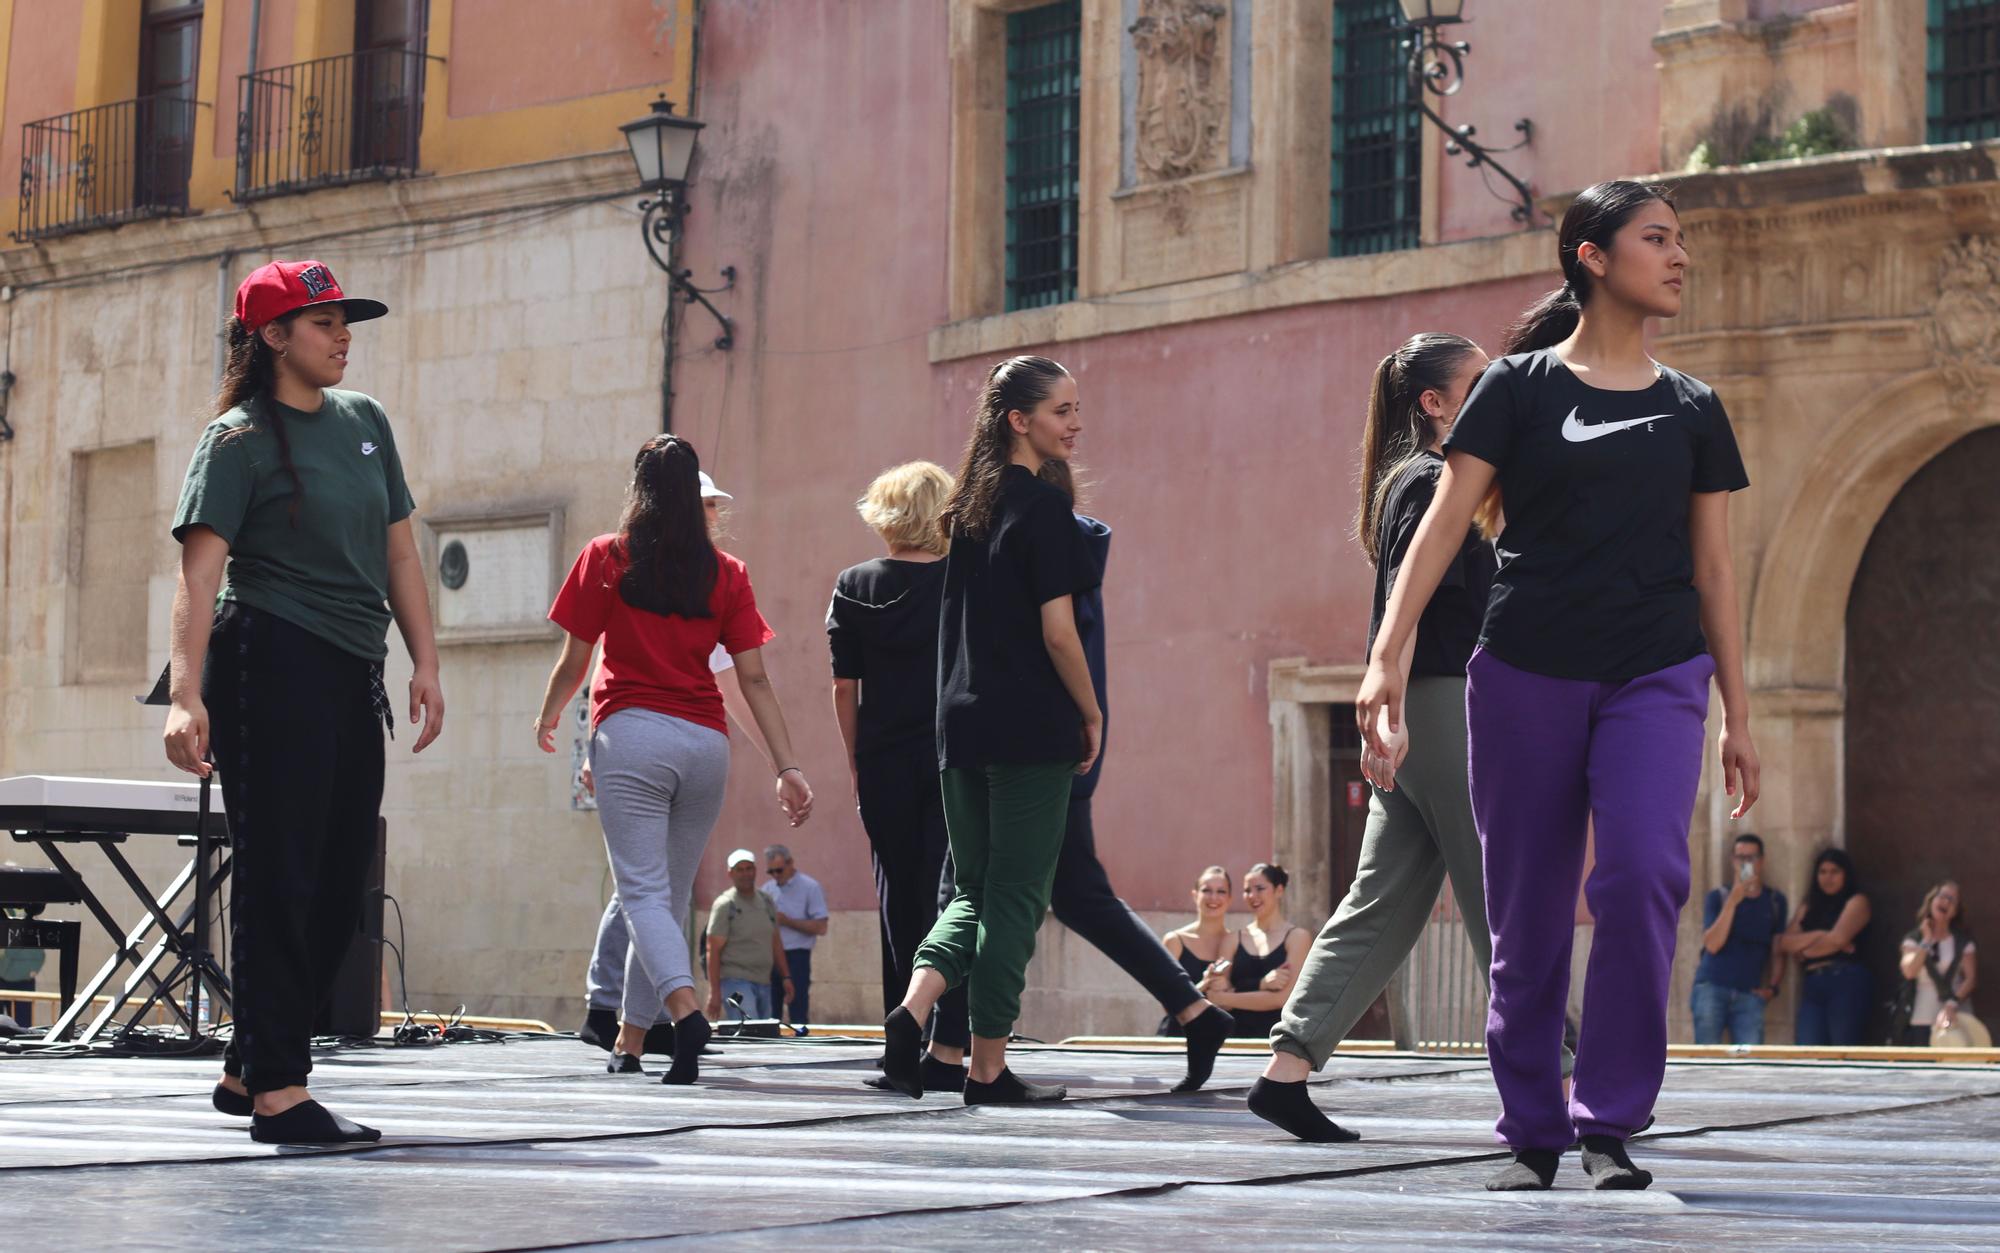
pixel 882 627
pixel 1000 700
pixel 1449 629
pixel 1596 577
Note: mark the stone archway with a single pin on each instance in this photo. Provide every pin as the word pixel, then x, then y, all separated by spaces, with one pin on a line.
pixel 1923 696
pixel 1796 644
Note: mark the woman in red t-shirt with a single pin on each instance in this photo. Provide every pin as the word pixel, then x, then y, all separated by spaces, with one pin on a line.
pixel 661 596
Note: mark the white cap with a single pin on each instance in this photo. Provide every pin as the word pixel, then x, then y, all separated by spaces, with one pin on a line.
pixel 741 855
pixel 709 491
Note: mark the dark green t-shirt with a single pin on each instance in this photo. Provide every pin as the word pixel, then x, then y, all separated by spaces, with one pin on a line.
pixel 330 573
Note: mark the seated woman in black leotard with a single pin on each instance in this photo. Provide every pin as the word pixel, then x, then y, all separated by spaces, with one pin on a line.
pixel 1205 941
pixel 1253 984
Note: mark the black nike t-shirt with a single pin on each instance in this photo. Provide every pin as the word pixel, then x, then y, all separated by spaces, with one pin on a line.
pixel 999 698
pixel 1449 629
pixel 1596 577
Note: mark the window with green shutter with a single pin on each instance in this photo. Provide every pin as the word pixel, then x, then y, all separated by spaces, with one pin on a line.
pixel 1962 78
pixel 1044 97
pixel 1377 147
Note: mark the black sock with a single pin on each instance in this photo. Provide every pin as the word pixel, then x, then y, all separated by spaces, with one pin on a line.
pixel 600 1027
pixel 660 1039
pixel 623 1064
pixel 1289 1107
pixel 902 1042
pixel 309 1122
pixel 1605 1161
pixel 1205 1034
pixel 1533 1170
pixel 690 1038
pixel 1008 1088
pixel 942 1076
pixel 231 1103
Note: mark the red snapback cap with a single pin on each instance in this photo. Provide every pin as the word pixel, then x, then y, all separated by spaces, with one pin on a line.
pixel 281 287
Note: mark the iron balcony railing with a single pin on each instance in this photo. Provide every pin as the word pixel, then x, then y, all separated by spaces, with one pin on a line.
pixel 345 119
pixel 105 165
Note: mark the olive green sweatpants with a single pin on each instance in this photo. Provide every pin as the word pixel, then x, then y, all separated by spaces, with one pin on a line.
pixel 1006 824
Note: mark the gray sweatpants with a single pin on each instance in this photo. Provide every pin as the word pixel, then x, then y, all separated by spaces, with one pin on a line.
pixel 660 783
pixel 604 981
pixel 1414 835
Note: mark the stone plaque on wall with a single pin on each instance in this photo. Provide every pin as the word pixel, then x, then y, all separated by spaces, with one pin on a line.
pixel 494 575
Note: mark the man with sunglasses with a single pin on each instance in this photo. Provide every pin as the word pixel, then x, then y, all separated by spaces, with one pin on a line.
pixel 1740 966
pixel 802 919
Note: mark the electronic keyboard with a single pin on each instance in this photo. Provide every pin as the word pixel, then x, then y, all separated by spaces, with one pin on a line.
pixel 58 805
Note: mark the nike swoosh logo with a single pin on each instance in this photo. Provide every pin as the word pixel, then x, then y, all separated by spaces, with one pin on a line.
pixel 1576 432
pixel 369 449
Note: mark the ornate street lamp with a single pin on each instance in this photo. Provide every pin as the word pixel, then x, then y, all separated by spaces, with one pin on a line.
pixel 1437 67
pixel 662 149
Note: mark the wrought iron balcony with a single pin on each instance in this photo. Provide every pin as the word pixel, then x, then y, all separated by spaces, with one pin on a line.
pixel 323 123
pixel 105 165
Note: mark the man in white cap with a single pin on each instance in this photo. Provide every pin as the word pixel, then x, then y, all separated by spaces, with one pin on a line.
pixel 604 982
pixel 743 945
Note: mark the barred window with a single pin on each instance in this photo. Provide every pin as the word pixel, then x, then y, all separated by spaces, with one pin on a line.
pixel 1963 71
pixel 1377 146
pixel 1044 96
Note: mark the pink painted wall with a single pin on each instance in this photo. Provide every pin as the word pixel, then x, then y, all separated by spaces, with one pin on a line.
pixel 509 54
pixel 41 73
pixel 274 47
pixel 1583 71
pixel 1225 467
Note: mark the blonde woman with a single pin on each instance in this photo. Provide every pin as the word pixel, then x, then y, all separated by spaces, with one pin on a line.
pixel 882 628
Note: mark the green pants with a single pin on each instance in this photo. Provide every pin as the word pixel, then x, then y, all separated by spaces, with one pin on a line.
pixel 1006 825
pixel 1414 835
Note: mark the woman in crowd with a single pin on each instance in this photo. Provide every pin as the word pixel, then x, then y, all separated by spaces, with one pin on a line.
pixel 1419 811
pixel 298 487
pixel 1613 606
pixel 1940 966
pixel 1017 718
pixel 882 628
pixel 1206 942
pixel 661 596
pixel 1826 936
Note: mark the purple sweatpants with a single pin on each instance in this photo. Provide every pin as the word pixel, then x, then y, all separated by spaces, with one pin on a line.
pixel 1546 756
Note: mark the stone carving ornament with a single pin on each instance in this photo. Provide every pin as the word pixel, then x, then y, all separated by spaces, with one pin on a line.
pixel 1183 99
pixel 1964 330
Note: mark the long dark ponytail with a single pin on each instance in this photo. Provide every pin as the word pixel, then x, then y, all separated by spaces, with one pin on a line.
pixel 249 377
pixel 1597 214
pixel 1396 430
pixel 671 560
pixel 1016 383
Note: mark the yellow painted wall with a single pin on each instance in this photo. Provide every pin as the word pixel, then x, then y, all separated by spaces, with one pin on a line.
pixel 108 71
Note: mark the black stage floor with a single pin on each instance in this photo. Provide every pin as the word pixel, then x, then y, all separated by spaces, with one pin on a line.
pixel 528 1144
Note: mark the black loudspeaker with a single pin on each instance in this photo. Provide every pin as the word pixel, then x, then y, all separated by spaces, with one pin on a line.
pixel 353 1005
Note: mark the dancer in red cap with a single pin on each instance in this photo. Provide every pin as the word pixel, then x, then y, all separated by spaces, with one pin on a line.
pixel 294 524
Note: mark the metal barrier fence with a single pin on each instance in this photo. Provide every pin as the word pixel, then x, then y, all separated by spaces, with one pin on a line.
pixel 343 119
pixel 105 165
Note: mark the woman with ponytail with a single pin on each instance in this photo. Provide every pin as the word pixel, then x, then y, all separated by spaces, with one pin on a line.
pixel 1419 814
pixel 1613 607
pixel 662 596
pixel 294 525
pixel 1017 718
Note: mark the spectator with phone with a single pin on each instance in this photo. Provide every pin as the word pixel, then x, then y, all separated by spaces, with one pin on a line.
pixel 1741 968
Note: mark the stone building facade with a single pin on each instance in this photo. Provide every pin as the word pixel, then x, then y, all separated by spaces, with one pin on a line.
pixel 1221 309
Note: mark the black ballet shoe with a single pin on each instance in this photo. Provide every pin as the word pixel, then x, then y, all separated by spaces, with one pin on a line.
pixel 1205 1035
pixel 1605 1161
pixel 690 1038
pixel 1532 1170
pixel 903 1041
pixel 1288 1107
pixel 1007 1088
pixel 233 1103
pixel 622 1064
pixel 309 1122
pixel 600 1027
